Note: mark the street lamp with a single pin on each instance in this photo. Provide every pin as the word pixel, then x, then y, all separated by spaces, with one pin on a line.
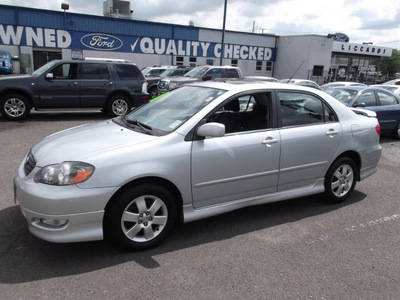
pixel 223 35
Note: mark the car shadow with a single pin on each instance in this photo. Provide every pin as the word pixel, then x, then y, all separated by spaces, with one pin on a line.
pixel 50 116
pixel 25 258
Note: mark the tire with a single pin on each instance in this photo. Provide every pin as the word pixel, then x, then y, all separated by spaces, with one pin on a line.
pixel 14 107
pixel 152 92
pixel 396 132
pixel 141 217
pixel 118 105
pixel 340 180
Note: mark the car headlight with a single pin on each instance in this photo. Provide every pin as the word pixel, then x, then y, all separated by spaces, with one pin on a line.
pixel 65 173
pixel 172 86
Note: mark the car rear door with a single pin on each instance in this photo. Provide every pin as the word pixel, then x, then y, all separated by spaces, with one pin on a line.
pixel 310 135
pixel 96 84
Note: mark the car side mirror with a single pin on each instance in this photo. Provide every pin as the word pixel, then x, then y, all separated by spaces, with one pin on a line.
pixel 360 104
pixel 49 76
pixel 207 77
pixel 211 129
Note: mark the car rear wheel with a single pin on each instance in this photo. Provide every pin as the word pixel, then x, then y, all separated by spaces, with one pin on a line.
pixel 14 107
pixel 340 180
pixel 396 133
pixel 141 217
pixel 152 92
pixel 118 105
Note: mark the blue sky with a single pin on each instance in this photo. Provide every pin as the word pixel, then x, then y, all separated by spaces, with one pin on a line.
pixel 362 20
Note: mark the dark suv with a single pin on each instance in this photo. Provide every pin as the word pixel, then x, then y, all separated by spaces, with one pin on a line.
pixel 110 84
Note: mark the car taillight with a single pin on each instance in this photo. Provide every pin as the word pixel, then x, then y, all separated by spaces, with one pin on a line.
pixel 378 129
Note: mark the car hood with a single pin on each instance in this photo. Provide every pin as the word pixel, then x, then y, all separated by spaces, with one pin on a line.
pixel 85 142
pixel 9 80
pixel 184 79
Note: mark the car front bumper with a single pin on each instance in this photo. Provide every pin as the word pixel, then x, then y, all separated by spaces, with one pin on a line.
pixel 61 214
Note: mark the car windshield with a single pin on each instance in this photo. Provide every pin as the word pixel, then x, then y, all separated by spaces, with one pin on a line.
pixel 196 72
pixel 343 95
pixel 4 55
pixel 167 73
pixel 44 68
pixel 166 113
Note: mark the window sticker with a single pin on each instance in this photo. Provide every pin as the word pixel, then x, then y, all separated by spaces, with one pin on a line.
pixel 175 124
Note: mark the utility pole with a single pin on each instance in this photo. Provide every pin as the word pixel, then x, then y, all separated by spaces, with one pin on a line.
pixel 223 35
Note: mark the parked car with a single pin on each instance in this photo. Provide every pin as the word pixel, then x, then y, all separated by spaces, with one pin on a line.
pixel 260 78
pixel 341 83
pixel 202 73
pixel 114 86
pixel 192 154
pixel 152 82
pixel 6 66
pixel 395 89
pixel 303 82
pixel 392 82
pixel 155 71
pixel 384 103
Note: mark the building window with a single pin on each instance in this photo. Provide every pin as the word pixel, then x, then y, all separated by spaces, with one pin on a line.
pixel 269 66
pixel 318 70
pixel 192 61
pixel 259 65
pixel 209 62
pixel 234 62
pixel 179 60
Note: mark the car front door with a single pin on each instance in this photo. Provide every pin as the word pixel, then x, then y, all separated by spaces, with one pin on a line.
pixel 59 88
pixel 240 165
pixel 310 134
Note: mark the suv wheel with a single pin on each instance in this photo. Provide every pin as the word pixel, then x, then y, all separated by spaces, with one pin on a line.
pixel 152 92
pixel 118 105
pixel 14 107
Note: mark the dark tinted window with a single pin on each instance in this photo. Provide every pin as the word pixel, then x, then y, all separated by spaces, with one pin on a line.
pixel 232 73
pixel 65 71
pixel 95 71
pixel 128 72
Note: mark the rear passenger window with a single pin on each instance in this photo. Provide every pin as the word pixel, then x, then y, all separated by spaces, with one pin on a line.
pixel 301 109
pixel 232 73
pixel 95 71
pixel 386 99
pixel 128 72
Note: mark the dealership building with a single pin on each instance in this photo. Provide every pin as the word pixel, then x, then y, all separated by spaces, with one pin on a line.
pixel 36 36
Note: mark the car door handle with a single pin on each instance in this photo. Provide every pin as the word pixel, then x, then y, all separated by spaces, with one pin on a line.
pixel 269 141
pixel 332 132
pixel 73 84
pixel 108 83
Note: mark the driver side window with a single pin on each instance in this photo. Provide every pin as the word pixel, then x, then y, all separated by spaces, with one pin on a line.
pixel 244 113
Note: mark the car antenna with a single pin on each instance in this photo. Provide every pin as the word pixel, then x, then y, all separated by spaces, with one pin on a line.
pixel 296 71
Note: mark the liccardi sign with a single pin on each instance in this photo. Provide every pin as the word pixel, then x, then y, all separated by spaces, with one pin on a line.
pixel 361 49
pixel 54 38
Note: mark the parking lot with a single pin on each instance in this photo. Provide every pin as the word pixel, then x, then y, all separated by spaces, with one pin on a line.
pixel 297 249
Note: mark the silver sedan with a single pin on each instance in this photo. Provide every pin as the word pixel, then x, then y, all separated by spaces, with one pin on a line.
pixel 199 151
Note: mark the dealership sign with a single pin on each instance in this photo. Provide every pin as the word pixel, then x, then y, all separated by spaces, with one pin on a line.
pixel 362 49
pixel 54 38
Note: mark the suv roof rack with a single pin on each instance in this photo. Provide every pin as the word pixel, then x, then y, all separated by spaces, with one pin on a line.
pixel 107 59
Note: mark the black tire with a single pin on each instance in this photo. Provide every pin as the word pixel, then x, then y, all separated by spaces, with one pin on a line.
pixel 141 217
pixel 152 92
pixel 396 132
pixel 340 180
pixel 118 105
pixel 14 107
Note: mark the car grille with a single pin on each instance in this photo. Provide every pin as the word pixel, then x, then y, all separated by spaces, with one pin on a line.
pixel 162 85
pixel 30 164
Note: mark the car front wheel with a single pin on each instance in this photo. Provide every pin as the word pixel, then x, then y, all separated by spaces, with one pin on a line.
pixel 14 107
pixel 141 217
pixel 118 105
pixel 340 180
pixel 396 133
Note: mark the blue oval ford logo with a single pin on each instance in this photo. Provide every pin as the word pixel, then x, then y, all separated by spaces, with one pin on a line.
pixel 100 41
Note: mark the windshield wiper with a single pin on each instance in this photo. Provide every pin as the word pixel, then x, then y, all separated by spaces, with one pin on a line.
pixel 145 128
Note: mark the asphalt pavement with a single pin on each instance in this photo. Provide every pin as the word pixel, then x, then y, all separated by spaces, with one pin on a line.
pixel 297 249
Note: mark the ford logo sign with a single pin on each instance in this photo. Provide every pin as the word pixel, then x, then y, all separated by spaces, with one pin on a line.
pixel 341 37
pixel 100 41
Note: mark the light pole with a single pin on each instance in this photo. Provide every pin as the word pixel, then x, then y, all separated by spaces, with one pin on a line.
pixel 223 35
